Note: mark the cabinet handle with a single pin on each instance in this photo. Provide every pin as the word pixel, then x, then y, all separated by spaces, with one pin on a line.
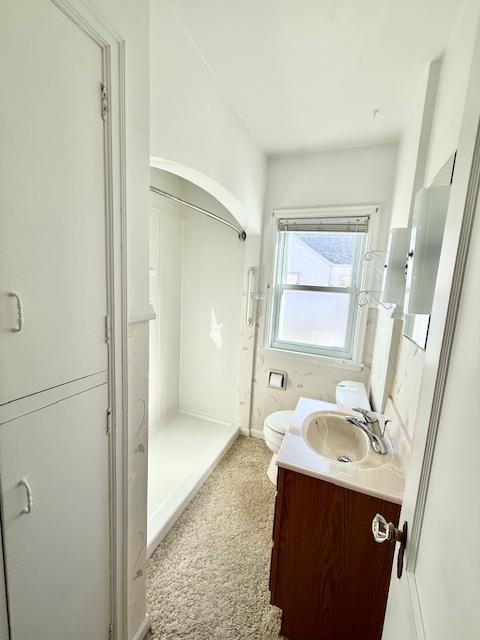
pixel 24 483
pixel 20 314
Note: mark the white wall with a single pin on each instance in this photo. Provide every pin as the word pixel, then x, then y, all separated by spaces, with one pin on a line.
pixel 412 154
pixel 194 124
pixel 452 90
pixel 391 351
pixel 343 177
pixel 430 137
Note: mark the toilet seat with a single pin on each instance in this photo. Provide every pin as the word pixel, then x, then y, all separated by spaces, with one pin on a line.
pixel 279 421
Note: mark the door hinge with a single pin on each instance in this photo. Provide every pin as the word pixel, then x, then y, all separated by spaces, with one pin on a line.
pixel 103 101
pixel 110 631
pixel 108 332
pixel 109 422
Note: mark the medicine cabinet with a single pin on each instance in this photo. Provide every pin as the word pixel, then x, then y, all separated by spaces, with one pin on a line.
pixel 428 226
pixel 430 212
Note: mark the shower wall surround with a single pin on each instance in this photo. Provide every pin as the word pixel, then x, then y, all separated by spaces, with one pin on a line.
pixel 201 351
pixel 212 275
pixel 165 297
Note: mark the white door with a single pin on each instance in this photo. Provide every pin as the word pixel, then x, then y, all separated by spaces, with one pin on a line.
pixel 438 596
pixel 57 555
pixel 52 201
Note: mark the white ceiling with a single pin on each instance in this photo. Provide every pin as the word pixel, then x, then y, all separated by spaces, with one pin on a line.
pixel 308 74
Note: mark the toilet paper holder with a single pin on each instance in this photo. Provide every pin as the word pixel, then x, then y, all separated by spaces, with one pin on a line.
pixel 277 379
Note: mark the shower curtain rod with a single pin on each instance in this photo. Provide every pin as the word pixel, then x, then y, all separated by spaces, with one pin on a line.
pixel 241 233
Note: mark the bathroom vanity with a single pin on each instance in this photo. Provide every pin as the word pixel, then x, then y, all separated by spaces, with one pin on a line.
pixel 328 575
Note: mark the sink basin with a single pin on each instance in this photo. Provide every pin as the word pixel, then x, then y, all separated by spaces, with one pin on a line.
pixel 330 435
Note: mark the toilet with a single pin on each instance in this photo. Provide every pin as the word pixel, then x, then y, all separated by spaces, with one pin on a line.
pixel 349 394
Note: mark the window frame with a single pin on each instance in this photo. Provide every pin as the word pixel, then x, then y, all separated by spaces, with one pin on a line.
pixel 357 316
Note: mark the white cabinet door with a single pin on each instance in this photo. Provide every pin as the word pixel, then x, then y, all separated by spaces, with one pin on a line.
pixel 57 556
pixel 52 200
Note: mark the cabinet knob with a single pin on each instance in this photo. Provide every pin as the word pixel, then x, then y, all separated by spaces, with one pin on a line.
pixel 384 531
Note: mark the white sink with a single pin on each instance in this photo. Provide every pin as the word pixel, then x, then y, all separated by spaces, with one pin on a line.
pixel 329 434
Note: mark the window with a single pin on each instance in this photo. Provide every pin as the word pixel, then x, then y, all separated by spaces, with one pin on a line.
pixel 318 272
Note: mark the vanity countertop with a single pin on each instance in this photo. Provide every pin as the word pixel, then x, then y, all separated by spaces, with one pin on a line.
pixel 381 476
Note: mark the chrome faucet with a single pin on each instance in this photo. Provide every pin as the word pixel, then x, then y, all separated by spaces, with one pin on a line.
pixel 371 426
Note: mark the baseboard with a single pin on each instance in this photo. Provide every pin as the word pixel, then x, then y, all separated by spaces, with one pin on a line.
pixel 143 629
pixel 254 433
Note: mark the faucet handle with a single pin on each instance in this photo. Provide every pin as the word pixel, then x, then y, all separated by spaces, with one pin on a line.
pixel 364 411
pixel 369 416
pixel 385 422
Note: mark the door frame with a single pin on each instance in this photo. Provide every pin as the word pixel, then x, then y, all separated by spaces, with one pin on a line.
pixel 458 230
pixel 112 47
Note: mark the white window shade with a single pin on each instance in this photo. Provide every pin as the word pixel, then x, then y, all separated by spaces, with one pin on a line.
pixel 332 225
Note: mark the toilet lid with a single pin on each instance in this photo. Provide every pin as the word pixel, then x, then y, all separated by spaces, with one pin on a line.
pixel 279 421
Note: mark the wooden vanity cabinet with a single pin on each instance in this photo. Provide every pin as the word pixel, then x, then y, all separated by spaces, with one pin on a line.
pixel 328 575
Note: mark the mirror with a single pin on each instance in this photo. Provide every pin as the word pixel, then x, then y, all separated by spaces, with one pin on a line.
pixel 415 326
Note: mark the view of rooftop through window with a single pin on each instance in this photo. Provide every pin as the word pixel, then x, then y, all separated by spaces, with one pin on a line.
pixel 320 258
pixel 314 268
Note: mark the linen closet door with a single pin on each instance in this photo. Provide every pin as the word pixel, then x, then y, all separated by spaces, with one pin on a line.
pixel 52 201
pixel 55 519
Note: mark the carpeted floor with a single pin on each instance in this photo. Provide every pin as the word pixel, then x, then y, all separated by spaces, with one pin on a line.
pixel 208 579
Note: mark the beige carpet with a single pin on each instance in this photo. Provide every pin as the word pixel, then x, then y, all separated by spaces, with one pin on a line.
pixel 208 579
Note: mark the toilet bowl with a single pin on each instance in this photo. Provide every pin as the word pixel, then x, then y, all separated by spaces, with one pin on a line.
pixel 349 394
pixel 275 426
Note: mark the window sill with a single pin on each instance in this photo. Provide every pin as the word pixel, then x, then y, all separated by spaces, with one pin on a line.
pixel 327 361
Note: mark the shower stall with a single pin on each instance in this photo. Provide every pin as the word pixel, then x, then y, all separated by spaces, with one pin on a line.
pixel 198 288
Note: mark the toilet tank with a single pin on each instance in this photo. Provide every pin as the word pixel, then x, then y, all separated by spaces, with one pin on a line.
pixel 351 394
